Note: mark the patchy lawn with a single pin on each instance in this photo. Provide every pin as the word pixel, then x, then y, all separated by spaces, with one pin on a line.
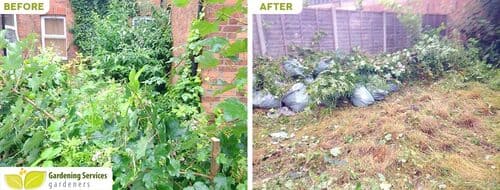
pixel 443 135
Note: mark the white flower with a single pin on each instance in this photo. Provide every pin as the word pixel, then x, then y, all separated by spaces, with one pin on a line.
pixel 95 157
pixel 385 186
pixel 335 151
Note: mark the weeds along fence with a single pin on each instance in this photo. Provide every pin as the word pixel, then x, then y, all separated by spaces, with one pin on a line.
pixel 331 29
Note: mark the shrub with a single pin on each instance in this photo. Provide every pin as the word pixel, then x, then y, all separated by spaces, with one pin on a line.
pixel 269 76
pixel 117 46
pixel 331 85
pixel 434 56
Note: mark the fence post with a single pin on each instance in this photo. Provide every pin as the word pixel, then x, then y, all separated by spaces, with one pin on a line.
pixel 361 29
pixel 317 26
pixel 282 19
pixel 349 28
pixel 260 31
pixel 384 23
pixel 335 35
pixel 214 167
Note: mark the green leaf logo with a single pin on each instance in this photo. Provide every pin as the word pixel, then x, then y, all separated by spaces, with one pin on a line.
pixel 34 179
pixel 14 181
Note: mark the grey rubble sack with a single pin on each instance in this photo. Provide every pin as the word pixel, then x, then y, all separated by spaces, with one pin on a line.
pixel 361 97
pixel 265 100
pixel 296 98
pixel 309 79
pixel 393 87
pixel 323 65
pixel 293 68
pixel 379 94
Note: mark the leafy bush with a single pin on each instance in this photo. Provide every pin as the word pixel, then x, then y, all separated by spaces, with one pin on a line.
pixel 269 76
pixel 331 85
pixel 435 56
pixel 119 46
pixel 394 65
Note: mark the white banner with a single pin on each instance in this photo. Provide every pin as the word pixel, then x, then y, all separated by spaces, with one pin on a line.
pixel 275 6
pixel 24 6
pixel 56 178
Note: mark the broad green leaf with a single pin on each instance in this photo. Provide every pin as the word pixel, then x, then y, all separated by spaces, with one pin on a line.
pixel 358 186
pixel 205 27
pixel 197 186
pixel 200 186
pixel 215 44
pixel 181 3
pixel 174 167
pixel 233 110
pixel 33 142
pixel 14 59
pixel 48 154
pixel 173 128
pixel 34 179
pixel 14 181
pixel 207 60
pixel 242 186
pixel 223 183
pixel 239 46
pixel 241 78
pixel 239 82
pixel 227 11
pixel 133 78
pixel 140 149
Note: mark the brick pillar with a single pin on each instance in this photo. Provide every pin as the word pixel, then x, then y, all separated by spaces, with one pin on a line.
pixel 234 28
pixel 181 18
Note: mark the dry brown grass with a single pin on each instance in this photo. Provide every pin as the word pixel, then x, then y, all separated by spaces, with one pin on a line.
pixel 438 136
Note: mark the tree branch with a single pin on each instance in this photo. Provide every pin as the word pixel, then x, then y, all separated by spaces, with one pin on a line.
pixel 50 116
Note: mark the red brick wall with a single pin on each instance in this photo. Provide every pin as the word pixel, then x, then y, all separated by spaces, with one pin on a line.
pixel 233 28
pixel 27 24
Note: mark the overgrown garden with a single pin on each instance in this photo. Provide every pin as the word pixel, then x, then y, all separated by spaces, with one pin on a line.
pixel 116 105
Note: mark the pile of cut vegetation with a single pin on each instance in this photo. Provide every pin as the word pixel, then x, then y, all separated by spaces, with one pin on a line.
pixel 310 79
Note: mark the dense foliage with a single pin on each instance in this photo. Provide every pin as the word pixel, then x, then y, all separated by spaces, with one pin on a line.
pixel 481 21
pixel 105 108
pixel 430 58
pixel 118 45
pixel 83 12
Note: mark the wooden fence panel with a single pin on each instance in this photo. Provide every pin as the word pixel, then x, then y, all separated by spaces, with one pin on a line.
pixel 372 32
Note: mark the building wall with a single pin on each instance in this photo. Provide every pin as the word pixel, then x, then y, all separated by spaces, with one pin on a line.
pixel 234 28
pixel 227 69
pixel 27 24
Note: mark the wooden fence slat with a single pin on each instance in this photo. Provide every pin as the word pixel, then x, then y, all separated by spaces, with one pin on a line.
pixel 262 38
pixel 384 24
pixel 334 23
pixel 282 19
